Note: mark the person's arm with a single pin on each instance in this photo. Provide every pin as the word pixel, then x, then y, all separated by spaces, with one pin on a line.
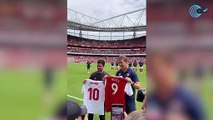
pixel 125 115
pixel 86 117
pixel 91 76
pixel 144 104
pixel 84 81
pixel 104 78
pixel 136 81
pixel 136 85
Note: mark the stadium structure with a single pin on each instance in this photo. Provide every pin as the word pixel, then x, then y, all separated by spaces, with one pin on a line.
pixel 90 38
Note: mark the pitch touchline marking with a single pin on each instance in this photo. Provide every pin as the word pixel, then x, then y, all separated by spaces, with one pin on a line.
pixel 75 97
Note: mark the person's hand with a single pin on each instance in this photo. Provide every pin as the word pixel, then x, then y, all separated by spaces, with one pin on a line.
pixel 84 81
pixel 125 115
pixel 128 79
pixel 105 77
pixel 144 104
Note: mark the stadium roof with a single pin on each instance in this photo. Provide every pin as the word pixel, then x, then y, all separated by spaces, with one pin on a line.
pixel 130 21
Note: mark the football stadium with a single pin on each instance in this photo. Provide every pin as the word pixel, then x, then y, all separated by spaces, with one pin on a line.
pixel 90 39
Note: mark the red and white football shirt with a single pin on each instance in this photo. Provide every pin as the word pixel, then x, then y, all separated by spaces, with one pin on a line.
pixel 94 94
pixel 115 90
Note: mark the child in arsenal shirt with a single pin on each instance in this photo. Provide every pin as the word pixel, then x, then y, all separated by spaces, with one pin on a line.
pixel 115 90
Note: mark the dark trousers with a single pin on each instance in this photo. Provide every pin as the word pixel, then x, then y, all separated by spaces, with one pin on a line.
pixel 90 116
pixel 130 107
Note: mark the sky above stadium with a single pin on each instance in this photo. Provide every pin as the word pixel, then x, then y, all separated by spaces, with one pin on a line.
pixel 103 9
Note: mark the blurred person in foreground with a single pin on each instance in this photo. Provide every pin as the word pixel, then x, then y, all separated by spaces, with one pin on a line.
pixel 136 115
pixel 131 77
pixel 74 111
pixel 168 99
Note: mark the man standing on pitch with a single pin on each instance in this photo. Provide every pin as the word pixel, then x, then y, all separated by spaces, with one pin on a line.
pixel 98 76
pixel 131 77
pixel 88 66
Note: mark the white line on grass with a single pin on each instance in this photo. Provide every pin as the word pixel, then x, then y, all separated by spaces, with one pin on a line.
pixel 75 97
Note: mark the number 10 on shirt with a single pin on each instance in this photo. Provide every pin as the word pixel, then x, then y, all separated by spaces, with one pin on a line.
pixel 93 94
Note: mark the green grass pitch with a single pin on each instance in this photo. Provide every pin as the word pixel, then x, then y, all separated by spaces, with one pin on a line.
pixel 77 72
pixel 24 97
pixel 23 94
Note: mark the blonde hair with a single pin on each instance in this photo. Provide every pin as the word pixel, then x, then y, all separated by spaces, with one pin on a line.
pixel 136 115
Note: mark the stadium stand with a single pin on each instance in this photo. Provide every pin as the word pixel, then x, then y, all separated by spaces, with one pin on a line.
pixel 82 49
pixel 129 43
pixel 79 59
pixel 106 51
pixel 89 38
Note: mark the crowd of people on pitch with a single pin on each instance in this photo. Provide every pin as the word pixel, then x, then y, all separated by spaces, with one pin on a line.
pixel 130 43
pixel 106 51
